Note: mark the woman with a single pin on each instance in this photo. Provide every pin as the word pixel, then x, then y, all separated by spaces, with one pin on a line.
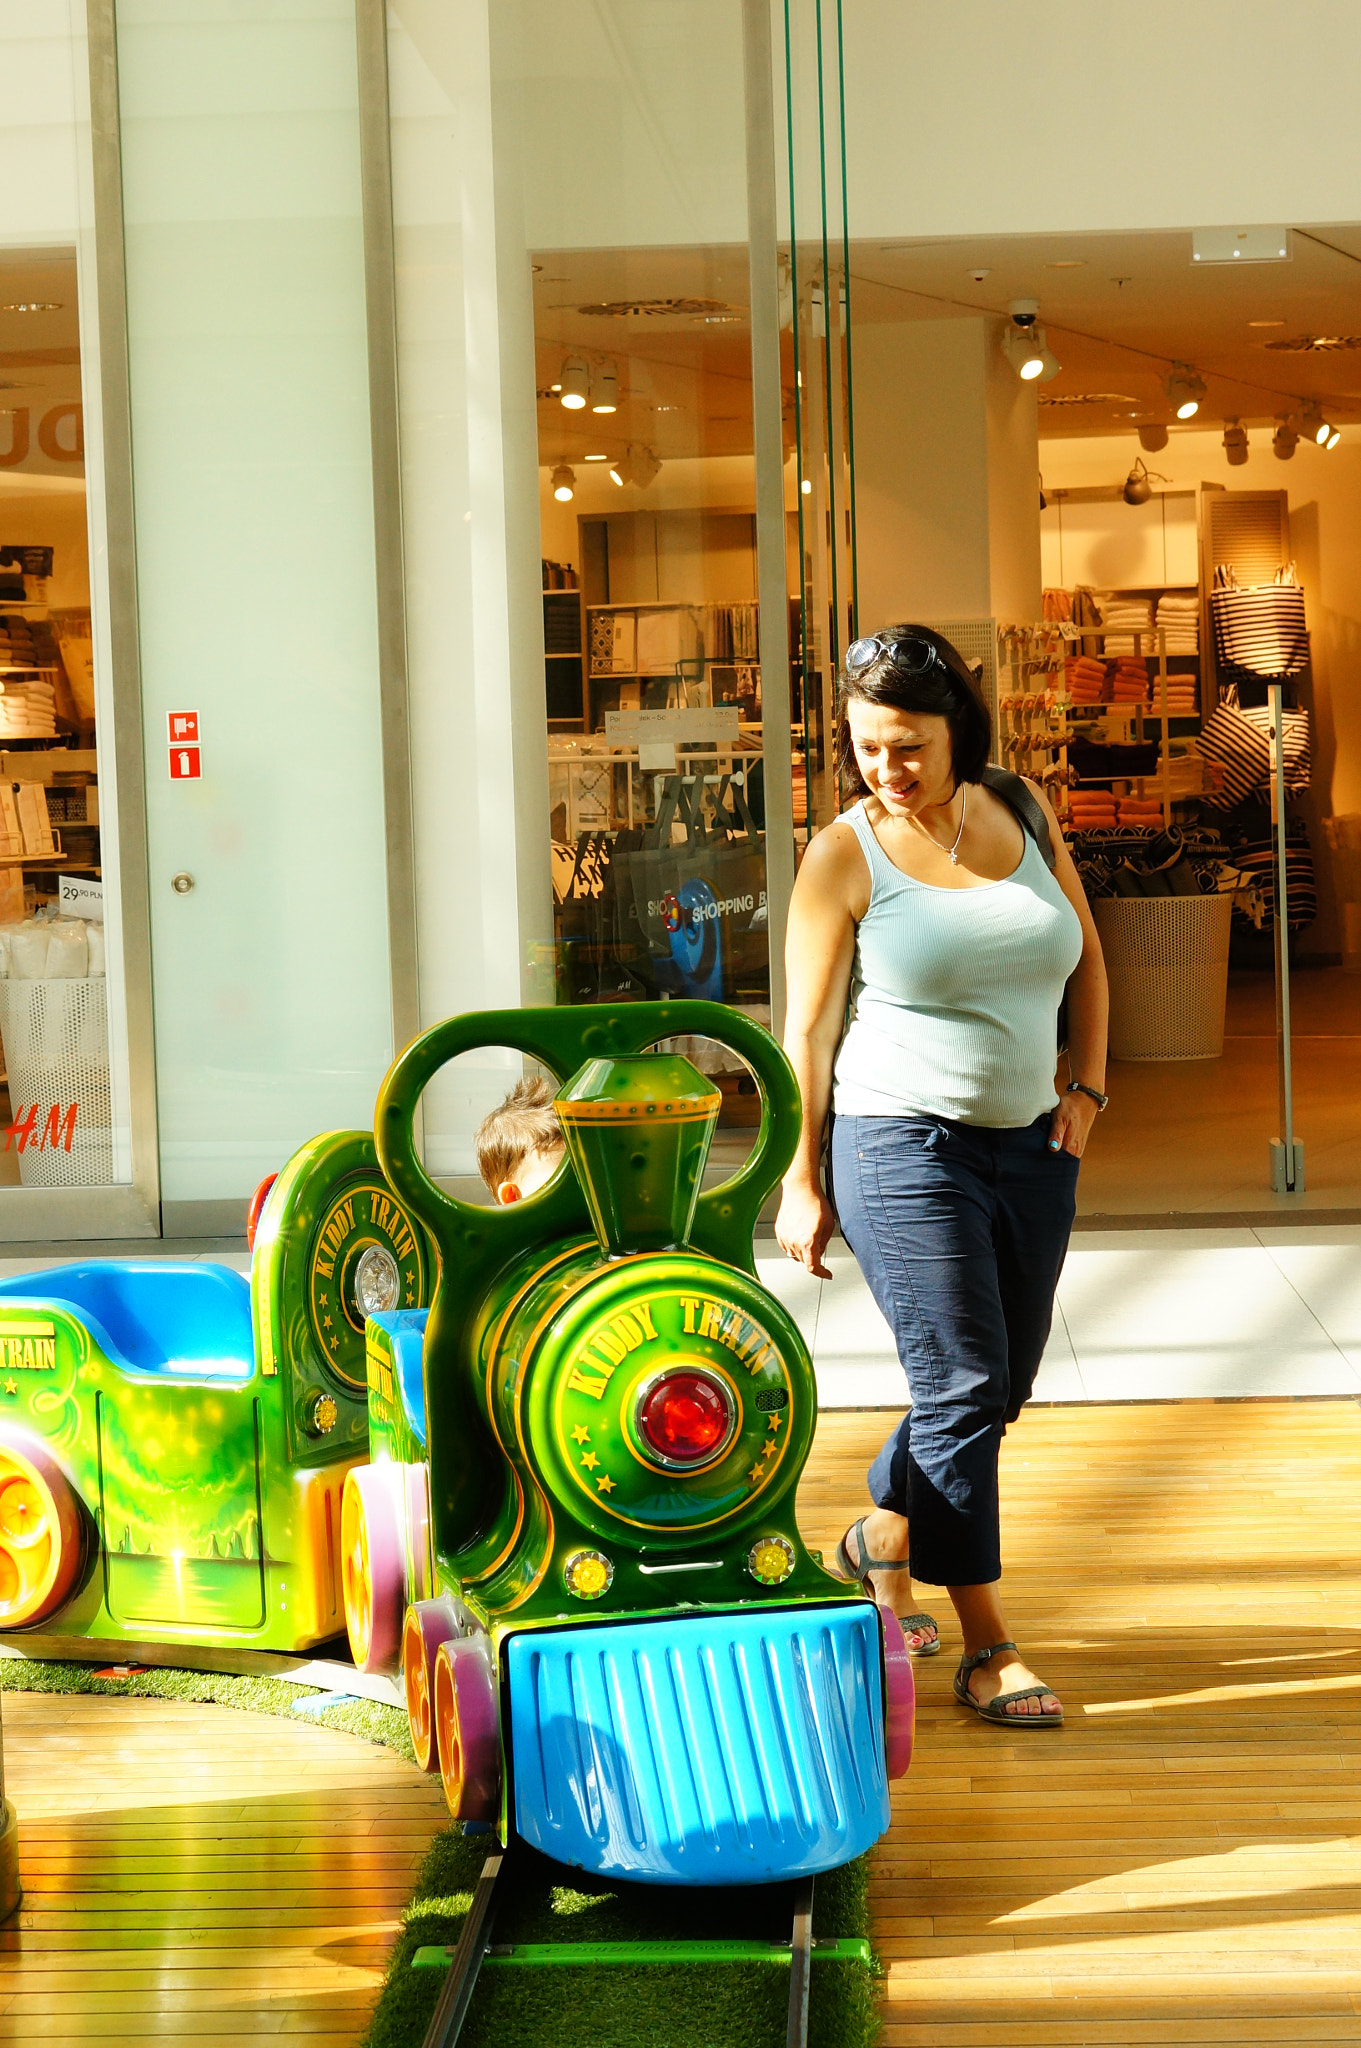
pixel 929 947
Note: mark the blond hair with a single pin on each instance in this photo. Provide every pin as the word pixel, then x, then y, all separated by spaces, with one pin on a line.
pixel 524 1124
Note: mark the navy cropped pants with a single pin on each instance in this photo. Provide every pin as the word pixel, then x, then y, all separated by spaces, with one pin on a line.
pixel 961 1233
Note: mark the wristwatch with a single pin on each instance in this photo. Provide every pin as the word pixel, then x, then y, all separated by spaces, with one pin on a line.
pixel 1081 1088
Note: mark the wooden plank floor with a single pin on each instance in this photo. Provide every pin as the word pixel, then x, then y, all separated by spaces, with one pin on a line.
pixel 196 1874
pixel 1181 1863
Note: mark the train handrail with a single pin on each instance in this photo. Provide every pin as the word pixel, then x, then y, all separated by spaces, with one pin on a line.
pixel 562 1040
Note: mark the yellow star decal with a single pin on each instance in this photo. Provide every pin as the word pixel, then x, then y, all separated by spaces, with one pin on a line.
pixel 769 1450
pixel 756 1471
pixel 589 1460
pixel 11 1386
pixel 775 1422
pixel 605 1483
pixel 325 1300
pixel 410 1297
pixel 335 1343
pixel 326 1322
pixel 581 1435
pixel 410 1279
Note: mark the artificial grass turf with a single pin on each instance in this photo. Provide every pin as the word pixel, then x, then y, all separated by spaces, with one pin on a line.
pixel 731 2005
pixel 366 1718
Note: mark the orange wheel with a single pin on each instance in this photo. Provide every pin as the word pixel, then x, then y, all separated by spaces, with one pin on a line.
pixel 428 1624
pixel 40 1536
pixel 372 1575
pixel 467 1728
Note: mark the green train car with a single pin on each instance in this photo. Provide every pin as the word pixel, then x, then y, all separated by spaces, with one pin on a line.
pixel 174 1439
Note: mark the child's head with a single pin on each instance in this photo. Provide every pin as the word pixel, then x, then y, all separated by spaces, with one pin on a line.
pixel 519 1145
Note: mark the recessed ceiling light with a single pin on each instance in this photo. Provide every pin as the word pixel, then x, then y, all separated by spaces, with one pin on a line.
pixel 1266 323
pixel 1067 263
pixel 32 306
pixel 595 458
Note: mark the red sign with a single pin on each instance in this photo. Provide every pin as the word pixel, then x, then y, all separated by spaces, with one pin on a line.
pixel 186 764
pixel 183 727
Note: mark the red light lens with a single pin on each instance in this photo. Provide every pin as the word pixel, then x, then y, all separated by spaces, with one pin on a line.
pixel 685 1417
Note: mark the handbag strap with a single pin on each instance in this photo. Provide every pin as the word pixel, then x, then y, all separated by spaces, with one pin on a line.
pixel 1014 793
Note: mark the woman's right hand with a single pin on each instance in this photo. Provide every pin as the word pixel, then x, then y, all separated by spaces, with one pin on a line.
pixel 804 1227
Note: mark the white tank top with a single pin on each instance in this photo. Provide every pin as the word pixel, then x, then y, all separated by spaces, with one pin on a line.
pixel 955 994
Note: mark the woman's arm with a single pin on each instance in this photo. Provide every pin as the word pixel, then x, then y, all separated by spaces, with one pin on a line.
pixel 819 952
pixel 1088 1003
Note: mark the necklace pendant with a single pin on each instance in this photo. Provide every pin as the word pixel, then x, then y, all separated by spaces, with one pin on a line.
pixel 954 859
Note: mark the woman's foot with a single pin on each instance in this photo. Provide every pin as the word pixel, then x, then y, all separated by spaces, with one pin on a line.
pixel 1006 1672
pixel 874 1551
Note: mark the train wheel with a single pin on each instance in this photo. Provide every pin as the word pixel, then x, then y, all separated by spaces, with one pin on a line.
pixel 40 1534
pixel 372 1574
pixel 428 1624
pixel 467 1728
pixel 900 1695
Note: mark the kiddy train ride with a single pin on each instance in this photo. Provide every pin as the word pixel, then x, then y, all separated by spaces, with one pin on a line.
pixel 174 1439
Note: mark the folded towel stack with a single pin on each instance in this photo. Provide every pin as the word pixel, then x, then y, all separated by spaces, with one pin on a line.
pixel 1123 617
pixel 1137 810
pixel 27 709
pixel 1179 616
pixel 1129 680
pixel 1085 678
pixel 1090 807
pixel 1182 697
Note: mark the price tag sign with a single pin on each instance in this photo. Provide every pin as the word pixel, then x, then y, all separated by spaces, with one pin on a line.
pixel 186 764
pixel 81 898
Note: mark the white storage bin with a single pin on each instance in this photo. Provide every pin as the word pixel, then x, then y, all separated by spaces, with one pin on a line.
pixel 1167 958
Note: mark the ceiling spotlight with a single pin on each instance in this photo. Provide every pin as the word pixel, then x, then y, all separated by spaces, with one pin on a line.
pixel 576 383
pixel 639 466
pixel 1025 346
pixel 605 390
pixel 1334 436
pixel 1283 440
pixel 1139 483
pixel 1235 443
pixel 564 483
pixel 1152 438
pixel 1185 391
pixel 807 487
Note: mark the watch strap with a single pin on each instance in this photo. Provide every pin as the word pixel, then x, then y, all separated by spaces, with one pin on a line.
pixel 1081 1088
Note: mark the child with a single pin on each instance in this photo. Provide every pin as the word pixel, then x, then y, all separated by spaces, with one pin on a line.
pixel 520 1144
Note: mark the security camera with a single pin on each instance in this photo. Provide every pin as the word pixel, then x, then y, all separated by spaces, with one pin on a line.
pixel 1024 312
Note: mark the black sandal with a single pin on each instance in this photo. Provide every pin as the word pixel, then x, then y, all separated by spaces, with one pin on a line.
pixel 996 1709
pixel 910 1623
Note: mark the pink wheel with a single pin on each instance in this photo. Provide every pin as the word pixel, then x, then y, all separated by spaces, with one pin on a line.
pixel 372 1571
pixel 900 1695
pixel 467 1728
pixel 428 1624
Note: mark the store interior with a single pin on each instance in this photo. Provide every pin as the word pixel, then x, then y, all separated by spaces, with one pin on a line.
pixel 1197 409
pixel 54 1063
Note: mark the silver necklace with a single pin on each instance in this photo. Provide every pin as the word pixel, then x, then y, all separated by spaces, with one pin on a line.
pixel 952 852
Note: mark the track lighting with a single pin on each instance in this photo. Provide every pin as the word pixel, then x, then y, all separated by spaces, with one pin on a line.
pixel 1323 431
pixel 564 483
pixel 1235 443
pixel 1152 438
pixel 1283 440
pixel 576 383
pixel 605 390
pixel 1185 391
pixel 1025 345
pixel 639 466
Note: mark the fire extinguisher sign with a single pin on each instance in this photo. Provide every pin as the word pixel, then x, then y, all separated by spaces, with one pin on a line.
pixel 186 757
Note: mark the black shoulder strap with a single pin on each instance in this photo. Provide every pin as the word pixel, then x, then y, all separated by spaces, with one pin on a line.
pixel 1013 791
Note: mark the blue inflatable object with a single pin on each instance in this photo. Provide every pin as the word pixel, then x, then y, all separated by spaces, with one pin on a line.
pixel 734 1746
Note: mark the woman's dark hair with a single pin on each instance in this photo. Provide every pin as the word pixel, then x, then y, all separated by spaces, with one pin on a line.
pixel 945 687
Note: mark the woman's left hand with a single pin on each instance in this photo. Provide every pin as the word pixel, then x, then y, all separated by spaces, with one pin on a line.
pixel 1070 1126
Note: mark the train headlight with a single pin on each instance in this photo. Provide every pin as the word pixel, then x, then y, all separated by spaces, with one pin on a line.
pixel 588 1574
pixel 685 1418
pixel 377 1282
pixel 322 1415
pixel 770 1560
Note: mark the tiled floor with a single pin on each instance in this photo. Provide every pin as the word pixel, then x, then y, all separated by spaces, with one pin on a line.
pixel 1143 1315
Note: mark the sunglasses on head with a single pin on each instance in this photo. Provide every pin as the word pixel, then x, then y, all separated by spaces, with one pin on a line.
pixel 911 654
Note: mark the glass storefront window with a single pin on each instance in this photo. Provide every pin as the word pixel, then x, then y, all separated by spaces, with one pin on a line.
pixel 63 1114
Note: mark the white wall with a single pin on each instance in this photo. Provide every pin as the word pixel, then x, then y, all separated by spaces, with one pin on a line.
pixel 38 174
pixel 947 475
pixel 1325 533
pixel 254 513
